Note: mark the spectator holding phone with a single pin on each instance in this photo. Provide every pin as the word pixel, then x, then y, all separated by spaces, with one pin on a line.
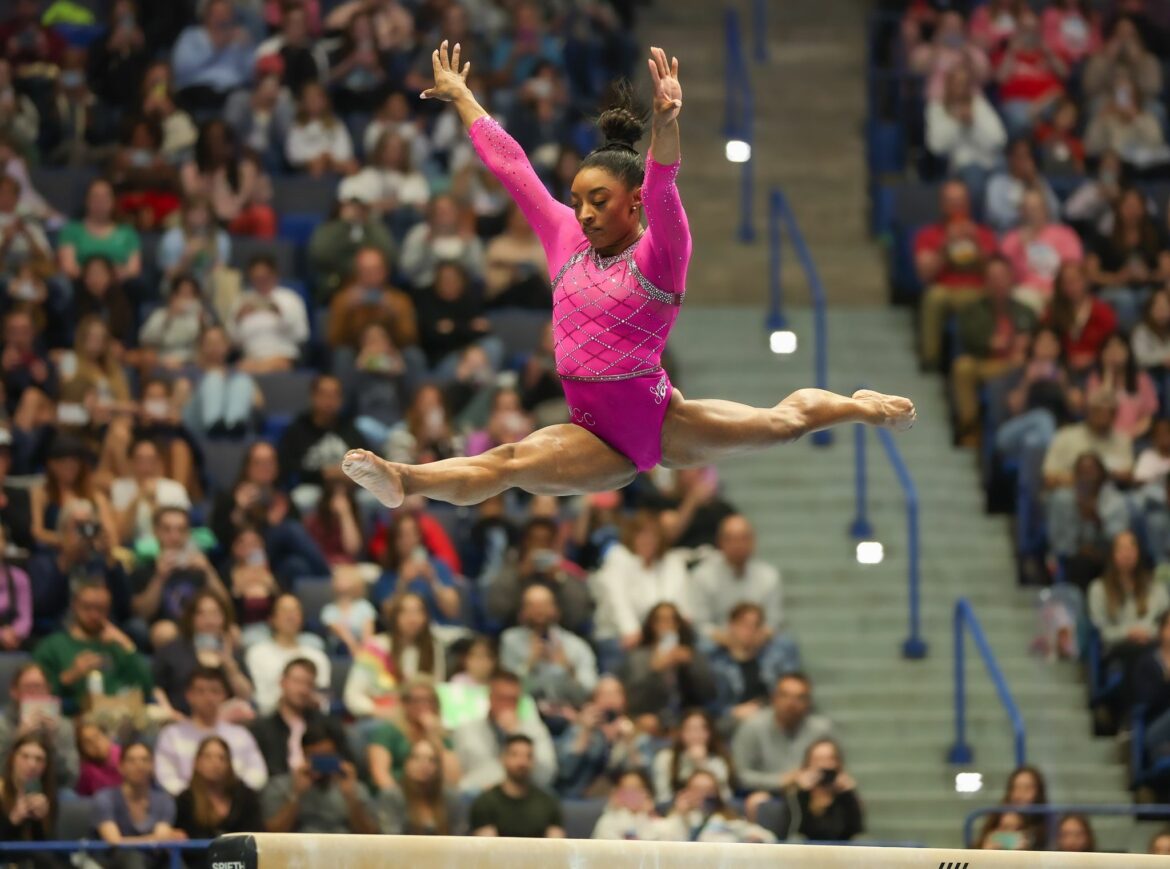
pixel 28 793
pixel 408 566
pixel 178 743
pixel 32 709
pixel 558 667
pixel 139 499
pixel 696 747
pixel 423 805
pixel 700 815
pixel 629 813
pixel 216 802
pixel 416 721
pixel 101 759
pixel 666 671
pixel 320 795
pixel 516 807
pixel 601 742
pixel 1025 787
pixel 826 796
pixel 16 604
pixel 751 659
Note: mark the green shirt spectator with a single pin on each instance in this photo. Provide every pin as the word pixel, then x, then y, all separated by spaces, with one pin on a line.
pixel 390 737
pixel 118 245
pixel 335 243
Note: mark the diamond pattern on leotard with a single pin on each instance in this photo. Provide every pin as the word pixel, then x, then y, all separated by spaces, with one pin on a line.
pixel 609 322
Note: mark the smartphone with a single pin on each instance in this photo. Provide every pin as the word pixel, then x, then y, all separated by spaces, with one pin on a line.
pixel 1008 841
pixel 544 560
pixel 325 764
pixel 667 642
pixel 609 716
pixel 72 414
pixel 207 643
pixel 35 708
pixel 828 777
pixel 33 786
pixel 420 554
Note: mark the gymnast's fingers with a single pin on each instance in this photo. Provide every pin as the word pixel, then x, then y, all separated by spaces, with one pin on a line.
pixel 455 57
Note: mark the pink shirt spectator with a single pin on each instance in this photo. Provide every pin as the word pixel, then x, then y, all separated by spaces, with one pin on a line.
pixel 1037 260
pixel 988 30
pixel 1132 407
pixel 16 609
pixel 94 777
pixel 1068 33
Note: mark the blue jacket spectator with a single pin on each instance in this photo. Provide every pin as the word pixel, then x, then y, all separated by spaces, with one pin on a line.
pixel 216 55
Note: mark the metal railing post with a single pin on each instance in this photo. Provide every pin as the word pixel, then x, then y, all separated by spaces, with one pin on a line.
pixel 760 29
pixel 961 751
pixel 776 318
pixel 861 529
pixel 914 647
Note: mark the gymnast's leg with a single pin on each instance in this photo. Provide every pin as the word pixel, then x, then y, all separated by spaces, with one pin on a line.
pixel 705 431
pixel 557 460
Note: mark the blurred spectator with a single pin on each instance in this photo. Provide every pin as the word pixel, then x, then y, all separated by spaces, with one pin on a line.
pixel 826 796
pixel 15 516
pixel 1007 831
pixel 636 573
pixel 1083 321
pixel 145 179
pixel 480 744
pixel 179 133
pixel 216 802
pixel 696 747
pixel 629 812
pixel 747 662
pixel 1151 336
pixel 269 322
pixel 666 671
pixel 370 297
pixel 1071 29
pixel 994 23
pixel 451 317
pixel 139 499
pixel 303 59
pixel 507 423
pixel 180 741
pixel 1096 435
pixel 949 48
pixel 321 795
pixel 407 648
pixel 349 616
pixel 312 447
pixel 600 743
pixel 207 638
pixel 1083 516
pixel 318 142
pixel 95 386
pixel 75 129
pixel 1025 787
pixel 32 47
pixel 693 508
pixel 212 59
pixel 516 807
pixel 1074 833
pixel 19 119
pixel 699 814
pixel 297 711
pixel 994 333
pixel 101 759
pixel 1061 151
pixel 1123 125
pixel 410 567
pixel 1130 259
pixel 1006 189
pixel 16 602
pixel 445 236
pixel 262 117
pixel 516 271
pixel 378 387
pixel 232 181
pixel 267 659
pixel 539 560
pixel 1124 605
pixel 964 129
pixel 195 247
pixel 33 709
pixel 83 554
pixel 254 588
pixel 357 67
pixel 224 400
pixel 335 525
pixel 1153 463
pixel 423 804
pixel 137 810
pixel 1151 690
pixel 1137 400
pixel 769 747
pixel 118 60
pixel 23 242
pixel 1091 206
pixel 415 720
pixel 1036 250
pixel 1030 74
pixel 99 293
pixel 1160 844
pixel 337 246
pixel 97 233
pixel 393 23
pixel 28 794
pixel 1037 398
pixel 733 576
pixel 29 378
pixel 558 667
pixel 390 182
pixel 427 433
pixel 1123 50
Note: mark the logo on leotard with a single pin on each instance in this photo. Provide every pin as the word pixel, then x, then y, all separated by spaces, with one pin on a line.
pixel 581 417
pixel 659 390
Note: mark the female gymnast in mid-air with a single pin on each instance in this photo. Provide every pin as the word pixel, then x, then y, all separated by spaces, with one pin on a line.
pixel 617 288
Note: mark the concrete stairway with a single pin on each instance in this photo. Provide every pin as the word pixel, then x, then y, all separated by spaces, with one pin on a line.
pixel 896 716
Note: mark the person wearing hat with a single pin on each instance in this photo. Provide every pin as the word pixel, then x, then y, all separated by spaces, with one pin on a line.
pixel 334 244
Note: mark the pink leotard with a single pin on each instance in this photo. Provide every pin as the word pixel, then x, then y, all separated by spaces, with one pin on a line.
pixel 611 315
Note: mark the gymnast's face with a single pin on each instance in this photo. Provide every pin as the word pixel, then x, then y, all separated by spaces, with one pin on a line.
pixel 610 213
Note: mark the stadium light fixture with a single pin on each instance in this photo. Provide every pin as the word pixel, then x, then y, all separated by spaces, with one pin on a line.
pixel 782 342
pixel 870 552
pixel 738 151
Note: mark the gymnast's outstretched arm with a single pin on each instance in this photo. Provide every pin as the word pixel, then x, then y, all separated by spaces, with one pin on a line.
pixel 553 222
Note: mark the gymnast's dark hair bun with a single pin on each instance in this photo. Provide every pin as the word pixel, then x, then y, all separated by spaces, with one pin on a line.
pixel 624 121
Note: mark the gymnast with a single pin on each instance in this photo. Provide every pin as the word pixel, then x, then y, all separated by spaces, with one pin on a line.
pixel 617 288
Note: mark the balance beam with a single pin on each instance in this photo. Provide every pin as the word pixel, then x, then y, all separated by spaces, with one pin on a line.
pixel 308 851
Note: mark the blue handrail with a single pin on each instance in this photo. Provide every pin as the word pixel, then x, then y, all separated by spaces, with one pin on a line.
pixel 739 118
pixel 760 29
pixel 174 850
pixel 914 646
pixel 961 751
pixel 1059 811
pixel 781 217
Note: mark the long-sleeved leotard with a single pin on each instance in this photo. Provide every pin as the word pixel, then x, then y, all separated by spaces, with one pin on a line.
pixel 611 315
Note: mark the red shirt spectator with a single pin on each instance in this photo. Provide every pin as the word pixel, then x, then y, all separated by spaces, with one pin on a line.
pixel 1084 322
pixel 1071 30
pixel 26 43
pixel 435 538
pixel 952 252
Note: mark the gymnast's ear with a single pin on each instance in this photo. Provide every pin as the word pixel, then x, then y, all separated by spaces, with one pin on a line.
pixel 635 198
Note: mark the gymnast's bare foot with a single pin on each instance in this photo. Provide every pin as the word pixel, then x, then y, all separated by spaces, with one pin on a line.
pixel 889 411
pixel 377 475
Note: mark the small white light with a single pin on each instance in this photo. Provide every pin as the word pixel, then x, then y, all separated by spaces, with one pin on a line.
pixel 870 552
pixel 782 342
pixel 968 782
pixel 738 151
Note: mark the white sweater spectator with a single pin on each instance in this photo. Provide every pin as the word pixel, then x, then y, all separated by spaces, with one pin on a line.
pixel 732 576
pixel 478 747
pixel 1150 349
pixel 307 141
pixel 977 141
pixel 1115 626
pixel 375 185
pixel 687 766
pixel 266 661
pixel 564 671
pixel 272 325
pixel 174 754
pixel 626 588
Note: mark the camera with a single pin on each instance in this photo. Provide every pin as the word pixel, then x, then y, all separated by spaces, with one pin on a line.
pixel 89 530
pixel 828 777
